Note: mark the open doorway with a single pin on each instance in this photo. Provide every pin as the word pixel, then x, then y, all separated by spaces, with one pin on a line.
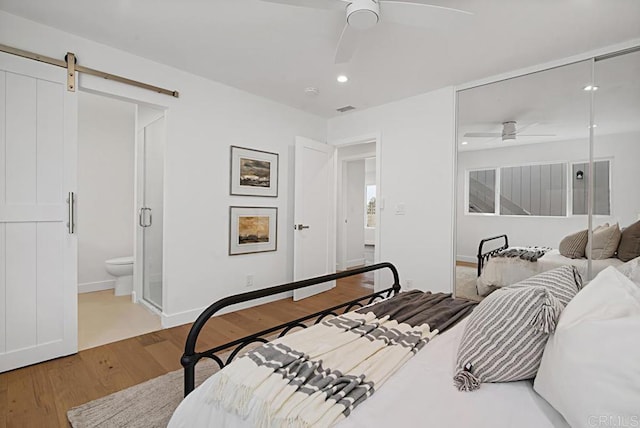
pixel 108 221
pixel 357 216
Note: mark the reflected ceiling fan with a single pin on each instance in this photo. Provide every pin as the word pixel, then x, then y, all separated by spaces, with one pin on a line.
pixel 365 14
pixel 509 132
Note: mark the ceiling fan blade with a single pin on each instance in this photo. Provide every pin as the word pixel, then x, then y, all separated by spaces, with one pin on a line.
pixel 421 14
pixel 315 4
pixel 482 134
pixel 536 135
pixel 347 45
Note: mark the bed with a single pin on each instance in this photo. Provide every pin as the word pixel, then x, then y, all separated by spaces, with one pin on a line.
pixel 420 392
pixel 495 272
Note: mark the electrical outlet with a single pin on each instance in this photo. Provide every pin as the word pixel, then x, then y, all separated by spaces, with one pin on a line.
pixel 408 284
pixel 250 280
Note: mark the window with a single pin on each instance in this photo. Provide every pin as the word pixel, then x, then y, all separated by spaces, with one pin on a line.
pixel 539 190
pixel 482 191
pixel 580 186
pixel 370 208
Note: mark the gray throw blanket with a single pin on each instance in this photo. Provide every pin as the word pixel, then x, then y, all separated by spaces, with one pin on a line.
pixel 531 254
pixel 317 376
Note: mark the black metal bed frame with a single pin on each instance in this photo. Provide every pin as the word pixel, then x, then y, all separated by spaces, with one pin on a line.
pixel 190 357
pixel 484 257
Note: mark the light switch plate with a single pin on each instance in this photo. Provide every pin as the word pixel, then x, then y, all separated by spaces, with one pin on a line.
pixel 401 209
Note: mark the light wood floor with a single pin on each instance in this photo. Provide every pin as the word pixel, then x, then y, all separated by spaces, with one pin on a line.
pixel 40 395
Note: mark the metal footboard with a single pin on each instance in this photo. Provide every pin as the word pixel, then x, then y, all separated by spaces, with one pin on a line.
pixel 484 257
pixel 190 357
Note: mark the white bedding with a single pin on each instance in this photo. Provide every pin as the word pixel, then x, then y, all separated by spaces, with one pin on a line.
pixel 503 271
pixel 420 394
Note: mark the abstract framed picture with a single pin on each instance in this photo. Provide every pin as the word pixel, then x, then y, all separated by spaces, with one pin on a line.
pixel 252 230
pixel 253 172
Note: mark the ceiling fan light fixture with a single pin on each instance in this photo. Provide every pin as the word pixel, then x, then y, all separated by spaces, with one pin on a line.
pixel 508 130
pixel 363 14
pixel 342 78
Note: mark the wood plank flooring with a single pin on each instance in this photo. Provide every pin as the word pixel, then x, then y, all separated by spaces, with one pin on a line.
pixel 40 395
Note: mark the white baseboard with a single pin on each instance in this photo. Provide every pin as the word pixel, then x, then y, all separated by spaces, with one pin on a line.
pixel 89 287
pixel 186 317
pixel 469 259
pixel 355 262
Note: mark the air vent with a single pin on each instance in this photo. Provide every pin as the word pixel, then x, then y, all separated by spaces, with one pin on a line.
pixel 345 108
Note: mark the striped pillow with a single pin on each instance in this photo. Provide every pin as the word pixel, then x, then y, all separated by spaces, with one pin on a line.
pixel 574 246
pixel 563 282
pixel 505 336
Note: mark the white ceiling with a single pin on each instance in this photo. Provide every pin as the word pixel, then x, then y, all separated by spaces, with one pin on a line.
pixel 276 51
pixel 554 102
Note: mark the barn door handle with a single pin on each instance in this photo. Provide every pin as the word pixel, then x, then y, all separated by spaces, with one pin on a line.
pixel 71 199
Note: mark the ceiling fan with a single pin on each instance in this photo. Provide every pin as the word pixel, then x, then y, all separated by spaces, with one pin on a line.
pixel 365 14
pixel 509 132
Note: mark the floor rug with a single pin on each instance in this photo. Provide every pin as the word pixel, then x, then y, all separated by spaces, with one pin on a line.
pixel 466 277
pixel 146 405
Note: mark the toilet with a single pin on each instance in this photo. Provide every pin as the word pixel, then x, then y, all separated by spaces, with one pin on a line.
pixel 122 269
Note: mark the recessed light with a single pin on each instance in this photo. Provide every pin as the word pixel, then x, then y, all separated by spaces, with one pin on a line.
pixel 342 79
pixel 464 143
pixel 590 88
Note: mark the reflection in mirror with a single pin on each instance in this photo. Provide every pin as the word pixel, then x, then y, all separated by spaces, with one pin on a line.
pixel 521 145
pixel 616 153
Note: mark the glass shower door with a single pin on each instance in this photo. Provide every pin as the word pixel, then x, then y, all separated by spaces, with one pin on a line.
pixel 151 213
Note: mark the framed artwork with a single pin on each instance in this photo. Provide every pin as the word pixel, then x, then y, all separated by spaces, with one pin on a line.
pixel 253 172
pixel 252 230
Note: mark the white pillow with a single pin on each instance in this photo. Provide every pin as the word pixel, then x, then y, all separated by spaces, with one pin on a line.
pixel 631 270
pixel 590 369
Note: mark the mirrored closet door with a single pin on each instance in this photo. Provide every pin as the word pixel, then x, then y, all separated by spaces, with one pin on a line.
pixel 614 185
pixel 519 142
pixel 545 167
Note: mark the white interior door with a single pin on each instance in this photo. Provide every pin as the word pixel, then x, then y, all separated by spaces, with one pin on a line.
pixel 38 254
pixel 314 214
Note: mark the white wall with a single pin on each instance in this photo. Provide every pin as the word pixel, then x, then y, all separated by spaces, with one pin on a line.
pixel 201 125
pixel 417 151
pixel 624 151
pixel 106 137
pixel 355 210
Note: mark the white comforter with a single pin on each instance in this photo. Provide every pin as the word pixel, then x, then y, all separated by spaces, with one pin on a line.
pixel 503 271
pixel 420 394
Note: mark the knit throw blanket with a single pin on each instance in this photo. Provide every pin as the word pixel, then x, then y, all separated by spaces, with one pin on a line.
pixel 317 376
pixel 531 254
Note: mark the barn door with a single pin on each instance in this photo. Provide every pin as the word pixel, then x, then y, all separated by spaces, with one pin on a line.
pixel 38 249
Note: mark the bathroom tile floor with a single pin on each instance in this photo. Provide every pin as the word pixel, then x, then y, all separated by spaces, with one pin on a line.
pixel 104 318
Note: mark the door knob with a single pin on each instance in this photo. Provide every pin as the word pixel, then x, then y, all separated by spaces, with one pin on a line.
pixel 300 226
